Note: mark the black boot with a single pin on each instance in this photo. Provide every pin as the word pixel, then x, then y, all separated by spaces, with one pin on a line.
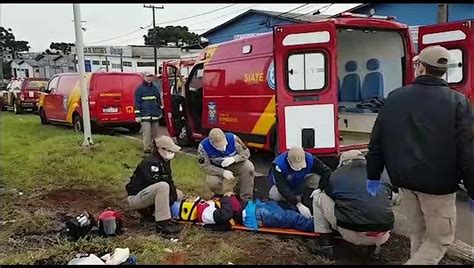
pixel 325 245
pixel 168 227
pixel 147 215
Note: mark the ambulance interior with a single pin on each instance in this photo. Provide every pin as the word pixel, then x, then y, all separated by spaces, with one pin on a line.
pixel 370 66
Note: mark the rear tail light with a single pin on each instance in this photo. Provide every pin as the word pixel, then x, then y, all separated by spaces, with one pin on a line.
pixel 22 97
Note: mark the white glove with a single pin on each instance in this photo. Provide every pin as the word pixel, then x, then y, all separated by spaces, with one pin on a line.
pixel 315 192
pixel 228 175
pixel 304 210
pixel 137 119
pixel 227 161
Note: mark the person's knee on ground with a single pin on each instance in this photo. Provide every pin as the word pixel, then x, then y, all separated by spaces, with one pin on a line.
pixel 215 184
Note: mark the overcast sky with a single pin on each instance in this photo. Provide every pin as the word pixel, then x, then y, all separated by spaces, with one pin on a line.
pixel 41 24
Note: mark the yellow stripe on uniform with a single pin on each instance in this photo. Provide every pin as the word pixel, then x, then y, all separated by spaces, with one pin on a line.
pixel 266 120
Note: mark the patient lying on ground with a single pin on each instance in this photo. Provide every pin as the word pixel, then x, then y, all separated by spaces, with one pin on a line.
pixel 222 213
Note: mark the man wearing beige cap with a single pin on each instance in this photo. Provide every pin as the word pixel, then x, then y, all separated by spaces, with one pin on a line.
pixel 148 110
pixel 345 206
pixel 225 159
pixel 151 185
pixel 293 175
pixel 423 136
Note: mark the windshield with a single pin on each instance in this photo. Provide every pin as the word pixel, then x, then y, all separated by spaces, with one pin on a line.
pixel 36 84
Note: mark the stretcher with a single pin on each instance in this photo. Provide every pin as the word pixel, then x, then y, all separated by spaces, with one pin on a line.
pixel 276 231
pixel 269 230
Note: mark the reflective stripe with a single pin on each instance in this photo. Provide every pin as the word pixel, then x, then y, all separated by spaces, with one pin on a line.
pixel 149 98
pixel 155 118
pixel 145 117
pixel 137 111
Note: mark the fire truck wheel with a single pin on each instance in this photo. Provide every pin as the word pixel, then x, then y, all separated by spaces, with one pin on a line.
pixel 183 138
pixel 43 118
pixel 77 124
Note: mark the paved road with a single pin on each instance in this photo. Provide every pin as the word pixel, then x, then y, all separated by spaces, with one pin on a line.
pixel 465 219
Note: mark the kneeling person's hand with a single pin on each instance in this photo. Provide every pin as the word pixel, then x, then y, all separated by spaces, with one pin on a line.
pixel 228 175
pixel 227 161
pixel 304 210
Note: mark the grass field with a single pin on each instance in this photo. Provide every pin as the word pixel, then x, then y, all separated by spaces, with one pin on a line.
pixel 49 176
pixel 58 177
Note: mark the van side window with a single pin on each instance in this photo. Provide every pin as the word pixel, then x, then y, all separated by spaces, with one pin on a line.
pixel 455 71
pixel 306 71
pixel 53 84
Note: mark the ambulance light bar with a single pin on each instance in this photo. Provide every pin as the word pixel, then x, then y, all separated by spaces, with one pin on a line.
pixel 353 15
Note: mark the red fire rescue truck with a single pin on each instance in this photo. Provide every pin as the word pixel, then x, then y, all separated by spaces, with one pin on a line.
pixel 298 86
pixel 304 84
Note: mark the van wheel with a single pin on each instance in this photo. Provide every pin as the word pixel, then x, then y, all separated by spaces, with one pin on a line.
pixel 184 136
pixel 77 124
pixel 43 118
pixel 134 129
pixel 16 108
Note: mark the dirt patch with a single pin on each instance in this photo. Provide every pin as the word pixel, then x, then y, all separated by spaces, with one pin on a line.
pixel 77 200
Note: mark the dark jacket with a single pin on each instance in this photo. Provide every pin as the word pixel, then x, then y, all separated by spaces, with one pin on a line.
pixel 423 136
pixel 147 102
pixel 283 177
pixel 355 209
pixel 151 170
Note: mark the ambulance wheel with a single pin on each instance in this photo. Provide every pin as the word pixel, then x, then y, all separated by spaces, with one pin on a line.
pixel 77 124
pixel 183 138
pixel 42 115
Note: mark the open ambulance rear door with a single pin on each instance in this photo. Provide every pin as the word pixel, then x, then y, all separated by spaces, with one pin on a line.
pixel 458 38
pixel 306 85
pixel 169 78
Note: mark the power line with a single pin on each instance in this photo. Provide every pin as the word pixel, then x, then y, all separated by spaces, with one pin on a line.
pixel 149 25
pixel 296 8
pixel 223 15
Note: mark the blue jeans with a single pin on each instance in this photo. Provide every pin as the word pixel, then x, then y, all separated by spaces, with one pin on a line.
pixel 272 215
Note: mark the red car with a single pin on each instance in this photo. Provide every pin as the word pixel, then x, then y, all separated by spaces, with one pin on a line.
pixel 22 95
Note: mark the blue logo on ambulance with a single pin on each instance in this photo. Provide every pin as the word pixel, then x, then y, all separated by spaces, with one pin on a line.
pixel 271 76
pixel 212 112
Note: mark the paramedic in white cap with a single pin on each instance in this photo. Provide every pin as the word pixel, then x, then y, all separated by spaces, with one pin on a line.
pixel 225 160
pixel 346 207
pixel 152 185
pixel 423 137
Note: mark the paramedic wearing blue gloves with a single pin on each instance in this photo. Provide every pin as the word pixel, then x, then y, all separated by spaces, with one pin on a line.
pixel 294 174
pixel 423 137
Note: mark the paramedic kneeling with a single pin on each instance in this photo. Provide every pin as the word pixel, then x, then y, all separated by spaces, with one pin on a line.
pixel 152 184
pixel 346 206
pixel 223 156
pixel 294 174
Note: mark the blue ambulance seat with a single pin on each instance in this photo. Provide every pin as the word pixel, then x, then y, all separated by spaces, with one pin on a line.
pixel 373 81
pixel 350 88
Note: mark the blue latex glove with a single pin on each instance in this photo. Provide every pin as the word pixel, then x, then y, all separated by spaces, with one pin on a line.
pixel 373 187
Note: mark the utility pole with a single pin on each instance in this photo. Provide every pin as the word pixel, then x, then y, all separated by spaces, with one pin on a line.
pixel 442 13
pixel 82 77
pixel 154 41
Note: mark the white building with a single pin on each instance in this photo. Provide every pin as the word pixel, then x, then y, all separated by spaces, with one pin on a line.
pixel 126 58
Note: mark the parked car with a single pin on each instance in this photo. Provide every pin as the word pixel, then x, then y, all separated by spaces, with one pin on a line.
pixel 111 100
pixel 22 95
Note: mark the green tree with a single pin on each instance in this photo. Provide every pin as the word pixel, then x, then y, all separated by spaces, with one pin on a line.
pixel 10 44
pixel 161 36
pixel 62 47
